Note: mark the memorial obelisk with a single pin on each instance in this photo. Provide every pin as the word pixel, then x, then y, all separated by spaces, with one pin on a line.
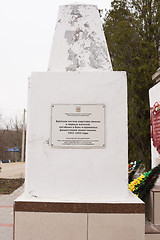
pixel 77 141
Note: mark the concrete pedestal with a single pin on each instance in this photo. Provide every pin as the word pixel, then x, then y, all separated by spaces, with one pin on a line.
pixel 38 219
pixel 153 205
pixel 153 214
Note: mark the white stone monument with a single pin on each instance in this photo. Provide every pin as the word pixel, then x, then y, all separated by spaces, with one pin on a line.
pixel 153 203
pixel 154 96
pixel 77 141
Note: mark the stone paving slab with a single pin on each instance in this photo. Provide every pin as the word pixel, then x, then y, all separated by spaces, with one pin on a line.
pixel 6 213
pixel 12 170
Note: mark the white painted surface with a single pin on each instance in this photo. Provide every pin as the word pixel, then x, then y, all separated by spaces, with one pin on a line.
pixel 130 198
pixel 77 174
pixel 79 42
pixel 154 96
pixel 78 74
pixel 156 76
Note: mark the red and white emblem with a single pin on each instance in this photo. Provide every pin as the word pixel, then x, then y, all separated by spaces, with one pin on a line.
pixel 155 125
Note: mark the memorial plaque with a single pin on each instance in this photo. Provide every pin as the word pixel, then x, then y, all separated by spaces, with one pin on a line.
pixel 78 126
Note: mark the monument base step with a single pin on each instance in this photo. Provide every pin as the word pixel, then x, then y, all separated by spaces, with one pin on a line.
pixel 81 221
pixel 152 232
pixel 153 205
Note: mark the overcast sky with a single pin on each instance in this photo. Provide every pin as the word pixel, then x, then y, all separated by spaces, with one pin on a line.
pixel 26 32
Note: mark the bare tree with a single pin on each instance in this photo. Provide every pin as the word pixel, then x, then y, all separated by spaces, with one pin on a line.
pixel 10 137
pixel 1 129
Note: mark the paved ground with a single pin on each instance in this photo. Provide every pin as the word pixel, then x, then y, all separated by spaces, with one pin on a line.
pixel 9 170
pixel 6 214
pixel 12 170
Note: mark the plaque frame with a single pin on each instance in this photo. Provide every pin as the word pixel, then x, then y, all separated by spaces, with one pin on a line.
pixel 80 146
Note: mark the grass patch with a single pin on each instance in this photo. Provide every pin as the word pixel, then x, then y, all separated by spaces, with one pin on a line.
pixel 7 186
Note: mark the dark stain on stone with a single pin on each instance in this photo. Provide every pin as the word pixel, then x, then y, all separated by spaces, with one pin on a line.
pixel 122 208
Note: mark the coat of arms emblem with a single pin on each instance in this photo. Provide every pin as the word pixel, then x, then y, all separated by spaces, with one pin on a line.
pixel 155 125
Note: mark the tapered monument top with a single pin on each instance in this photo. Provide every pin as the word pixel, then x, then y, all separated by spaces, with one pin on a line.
pixel 79 43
